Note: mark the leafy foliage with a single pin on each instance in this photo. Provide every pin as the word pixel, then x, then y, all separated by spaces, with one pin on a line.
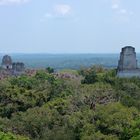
pixel 10 136
pixel 92 105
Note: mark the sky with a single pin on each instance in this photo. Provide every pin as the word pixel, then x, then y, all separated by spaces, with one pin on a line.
pixel 69 26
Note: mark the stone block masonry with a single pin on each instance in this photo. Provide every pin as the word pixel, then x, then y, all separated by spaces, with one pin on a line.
pixel 127 65
pixel 13 68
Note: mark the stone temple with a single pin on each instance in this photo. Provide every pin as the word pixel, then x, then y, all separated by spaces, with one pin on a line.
pixel 18 68
pixel 6 62
pixel 15 68
pixel 127 65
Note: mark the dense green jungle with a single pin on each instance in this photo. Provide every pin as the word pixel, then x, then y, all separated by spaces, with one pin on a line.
pixel 86 104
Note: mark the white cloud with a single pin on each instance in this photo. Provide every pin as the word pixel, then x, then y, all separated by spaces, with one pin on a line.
pixel 62 9
pixel 123 11
pixel 115 6
pixel 10 2
pixel 118 7
pixel 120 11
pixel 48 15
pixel 58 11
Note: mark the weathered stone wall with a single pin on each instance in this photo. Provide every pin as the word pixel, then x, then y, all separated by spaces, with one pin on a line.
pixel 127 65
pixel 6 62
pixel 127 59
pixel 18 68
pixel 11 68
pixel 129 73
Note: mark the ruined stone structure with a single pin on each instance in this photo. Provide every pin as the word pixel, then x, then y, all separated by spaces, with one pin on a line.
pixel 127 65
pixel 14 68
pixel 18 68
pixel 7 62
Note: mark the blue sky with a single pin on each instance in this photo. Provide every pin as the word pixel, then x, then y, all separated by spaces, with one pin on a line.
pixel 69 26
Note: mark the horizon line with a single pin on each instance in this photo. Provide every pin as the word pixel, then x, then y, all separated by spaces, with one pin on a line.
pixel 17 53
